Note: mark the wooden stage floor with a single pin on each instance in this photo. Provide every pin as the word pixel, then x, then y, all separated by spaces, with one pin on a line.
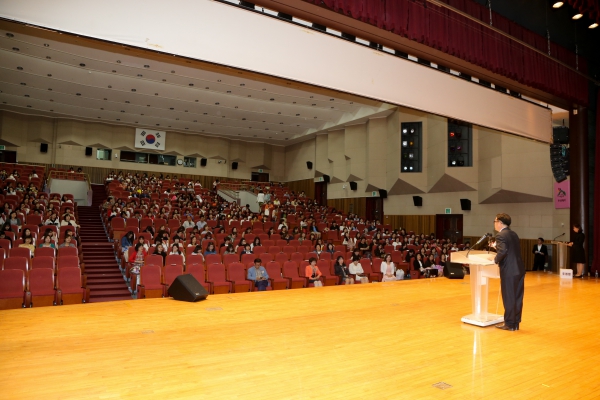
pixel 376 341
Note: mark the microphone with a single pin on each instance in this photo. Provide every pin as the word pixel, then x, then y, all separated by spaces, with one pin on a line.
pixel 485 235
pixel 558 236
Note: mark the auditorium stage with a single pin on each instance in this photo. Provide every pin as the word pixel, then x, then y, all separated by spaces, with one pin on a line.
pixel 376 341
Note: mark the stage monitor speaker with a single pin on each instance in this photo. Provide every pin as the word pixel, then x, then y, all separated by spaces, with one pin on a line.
pixel 203 162
pixel 88 151
pixel 353 186
pixel 309 164
pixel 454 271
pixel 465 204
pixel 560 135
pixel 234 165
pixel 43 147
pixel 326 178
pixel 187 288
pixel 383 193
pixel 418 201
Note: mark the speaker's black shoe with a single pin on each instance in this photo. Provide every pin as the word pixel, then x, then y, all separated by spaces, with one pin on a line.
pixel 517 327
pixel 505 327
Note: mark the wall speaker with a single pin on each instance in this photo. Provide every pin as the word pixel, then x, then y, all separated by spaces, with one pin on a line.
pixel 234 165
pixel 326 178
pixel 309 164
pixel 560 135
pixel 383 193
pixel 88 151
pixel 418 201
pixel 353 186
pixel 465 204
pixel 203 162
pixel 43 147
pixel 187 288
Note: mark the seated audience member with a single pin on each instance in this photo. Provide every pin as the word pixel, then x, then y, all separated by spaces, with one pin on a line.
pixel 28 244
pixel 417 264
pixel 67 243
pixel 341 270
pixel 388 269
pixel 52 220
pixel 364 247
pixel 258 274
pixel 330 249
pixel 127 240
pixel 210 249
pixel 313 273
pixel 198 251
pixel 14 220
pixel 137 257
pixel 47 242
pixel 159 249
pixel 68 221
pixel 247 249
pixel 357 270
pixel 176 250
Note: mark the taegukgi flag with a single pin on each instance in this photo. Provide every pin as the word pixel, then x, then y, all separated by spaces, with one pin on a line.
pixel 150 139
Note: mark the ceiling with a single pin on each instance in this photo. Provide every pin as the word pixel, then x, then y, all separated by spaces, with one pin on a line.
pixel 48 73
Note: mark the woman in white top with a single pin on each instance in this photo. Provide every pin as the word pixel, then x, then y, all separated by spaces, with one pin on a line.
pixel 388 269
pixel 68 221
pixel 357 270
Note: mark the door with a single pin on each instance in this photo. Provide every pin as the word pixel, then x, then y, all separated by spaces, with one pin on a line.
pixel 321 193
pixel 259 177
pixel 449 227
pixel 374 209
pixel 8 156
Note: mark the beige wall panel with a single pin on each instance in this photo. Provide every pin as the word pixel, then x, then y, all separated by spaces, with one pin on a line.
pixel 377 152
pixel 322 163
pixel 13 131
pixel 296 157
pixel 355 147
pixel 237 151
pixel 393 149
pixel 277 171
pixel 335 153
pixel 436 149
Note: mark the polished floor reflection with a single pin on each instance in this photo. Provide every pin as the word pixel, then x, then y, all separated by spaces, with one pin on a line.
pixel 401 340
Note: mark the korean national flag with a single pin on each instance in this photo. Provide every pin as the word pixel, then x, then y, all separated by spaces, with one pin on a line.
pixel 150 139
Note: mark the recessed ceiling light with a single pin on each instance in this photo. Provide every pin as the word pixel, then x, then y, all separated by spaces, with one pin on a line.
pixel 195 120
pixel 575 17
pixel 105 98
pixel 281 123
pixel 48 58
pixel 171 108
pixel 172 71
pixel 122 110
pixel 133 90
pixel 297 115
pixel 164 80
pixel 118 61
pixel 593 26
pixel 157 124
pixel 186 128
pixel 176 119
pixel 156 94
pixel 196 101
pixel 26 95
pixel 20 68
pixel 146 66
pixel 314 104
pixel 50 89
pixel 9 34
pixel 218 80
pixel 118 119
pixel 15 48
pixel 127 101
pixel 139 75
pixel 331 99
pixel 81 64
pixel 23 83
pixel 205 113
pixel 557 4
pixel 229 91
pixel 272 99
pixel 217 104
pixel 191 84
pixel 110 86
pixel 294 102
pixel 242 84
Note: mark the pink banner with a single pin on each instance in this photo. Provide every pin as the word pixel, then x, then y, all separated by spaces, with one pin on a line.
pixel 562 194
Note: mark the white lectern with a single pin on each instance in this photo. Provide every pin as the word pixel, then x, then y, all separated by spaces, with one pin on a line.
pixel 481 264
pixel 561 254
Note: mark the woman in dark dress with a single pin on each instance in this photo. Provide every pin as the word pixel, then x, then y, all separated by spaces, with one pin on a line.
pixel 577 250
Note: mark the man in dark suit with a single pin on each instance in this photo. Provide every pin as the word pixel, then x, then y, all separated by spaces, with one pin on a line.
pixel 512 272
pixel 541 252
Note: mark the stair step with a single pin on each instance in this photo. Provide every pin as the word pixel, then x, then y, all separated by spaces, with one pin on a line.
pixel 112 298
pixel 111 291
pixel 94 287
pixel 101 280
pixel 100 271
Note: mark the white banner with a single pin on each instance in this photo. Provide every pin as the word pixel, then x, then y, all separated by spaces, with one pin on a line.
pixel 150 139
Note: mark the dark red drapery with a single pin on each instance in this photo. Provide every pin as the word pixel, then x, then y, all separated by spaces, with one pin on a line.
pixel 468 40
pixel 595 247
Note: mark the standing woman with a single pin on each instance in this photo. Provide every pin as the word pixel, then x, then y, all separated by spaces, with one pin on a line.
pixel 577 250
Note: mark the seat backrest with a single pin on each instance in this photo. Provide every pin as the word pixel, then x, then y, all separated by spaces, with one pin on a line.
pixel 151 274
pixel 197 271
pixel 267 257
pixel 21 263
pixel 282 257
pixel 288 249
pixel 12 283
pixel 230 258
pixel 281 243
pixel 263 237
pixel 65 251
pixel 236 271
pixel 42 262
pixel 290 269
pixel 248 258
pixel 325 256
pixel 68 262
pixel 174 259
pixel 273 269
pixel 213 259
pixel 274 249
pixel 45 252
pixel 171 272
pixel 146 222
pixel 117 223
pixel 303 249
pixel 258 250
pixel 41 280
pixel 68 279
pixel 33 219
pixel 195 259
pixel 215 273
pixel 132 222
pixel 20 252
pixel 366 265
pixel 5 244
pixel 324 267
pixel 298 257
pixel 376 264
pixel 154 259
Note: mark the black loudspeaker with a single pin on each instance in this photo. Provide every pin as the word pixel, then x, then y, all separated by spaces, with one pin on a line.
pixel 418 201
pixel 203 162
pixel 43 147
pixel 465 204
pixel 383 193
pixel 234 165
pixel 326 178
pixel 309 164
pixel 353 186
pixel 560 135
pixel 187 288
pixel 88 151
pixel 453 271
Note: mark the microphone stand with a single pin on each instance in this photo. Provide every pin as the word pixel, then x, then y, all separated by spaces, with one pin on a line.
pixel 479 241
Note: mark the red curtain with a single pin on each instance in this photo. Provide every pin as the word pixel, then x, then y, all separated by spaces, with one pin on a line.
pixel 468 40
pixel 595 247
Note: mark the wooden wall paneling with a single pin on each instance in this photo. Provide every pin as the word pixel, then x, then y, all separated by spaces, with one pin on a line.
pixel 416 223
pixel 305 185
pixel 356 205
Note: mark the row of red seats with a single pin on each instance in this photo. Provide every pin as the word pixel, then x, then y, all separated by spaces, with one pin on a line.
pixel 41 288
pixel 27 265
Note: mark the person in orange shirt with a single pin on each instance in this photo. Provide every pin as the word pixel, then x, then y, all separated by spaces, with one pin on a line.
pixel 313 273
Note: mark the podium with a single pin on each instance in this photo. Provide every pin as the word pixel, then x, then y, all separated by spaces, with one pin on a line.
pixel 481 264
pixel 561 254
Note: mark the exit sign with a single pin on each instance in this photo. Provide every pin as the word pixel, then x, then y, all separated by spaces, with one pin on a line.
pixel 374 194
pixel 260 171
pixel 448 211
pixel 2 147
